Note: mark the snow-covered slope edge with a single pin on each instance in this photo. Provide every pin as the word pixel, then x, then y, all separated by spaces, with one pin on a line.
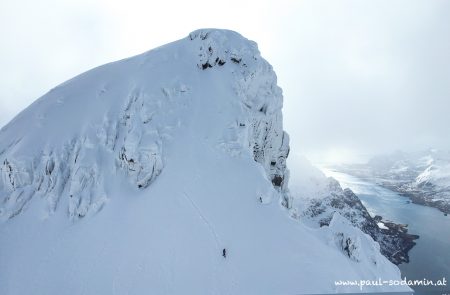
pixel 181 152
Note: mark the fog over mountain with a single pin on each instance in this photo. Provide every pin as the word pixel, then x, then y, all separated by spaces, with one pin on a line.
pixel 358 77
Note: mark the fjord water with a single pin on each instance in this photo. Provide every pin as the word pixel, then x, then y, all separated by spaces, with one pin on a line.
pixel 430 258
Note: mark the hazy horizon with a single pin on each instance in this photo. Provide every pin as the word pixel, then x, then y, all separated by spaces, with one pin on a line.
pixel 359 78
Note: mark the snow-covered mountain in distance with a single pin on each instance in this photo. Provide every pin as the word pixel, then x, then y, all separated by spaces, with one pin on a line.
pixel 423 176
pixel 166 173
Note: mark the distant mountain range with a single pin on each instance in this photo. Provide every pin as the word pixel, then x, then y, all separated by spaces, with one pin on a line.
pixel 423 176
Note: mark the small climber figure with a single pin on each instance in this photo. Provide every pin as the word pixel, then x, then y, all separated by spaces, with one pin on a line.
pixel 224 253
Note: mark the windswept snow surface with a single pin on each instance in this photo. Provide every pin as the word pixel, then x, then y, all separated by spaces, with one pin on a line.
pixel 133 177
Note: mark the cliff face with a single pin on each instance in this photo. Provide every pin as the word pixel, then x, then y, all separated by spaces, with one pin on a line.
pixel 259 125
pixel 141 174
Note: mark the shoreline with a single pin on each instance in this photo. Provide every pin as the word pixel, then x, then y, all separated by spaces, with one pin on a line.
pixel 401 231
pixel 416 197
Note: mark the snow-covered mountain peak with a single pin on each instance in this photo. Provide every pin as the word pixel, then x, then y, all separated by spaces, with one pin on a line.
pixel 164 173
pixel 217 47
pixel 123 118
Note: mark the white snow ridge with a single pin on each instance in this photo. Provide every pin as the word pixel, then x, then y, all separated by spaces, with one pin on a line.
pixel 133 178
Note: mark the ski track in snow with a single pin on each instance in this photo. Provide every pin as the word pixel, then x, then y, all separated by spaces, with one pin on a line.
pixel 212 231
pixel 232 286
pixel 204 219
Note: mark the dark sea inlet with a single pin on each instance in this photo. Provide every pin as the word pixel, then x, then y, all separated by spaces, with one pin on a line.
pixel 430 258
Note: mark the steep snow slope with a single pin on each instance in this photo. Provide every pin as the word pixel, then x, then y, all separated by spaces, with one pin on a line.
pixel 134 176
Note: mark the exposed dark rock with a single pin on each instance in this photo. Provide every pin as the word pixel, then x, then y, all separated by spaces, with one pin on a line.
pixel 277 180
pixel 219 61
pixel 395 242
pixel 236 60
pixel 206 65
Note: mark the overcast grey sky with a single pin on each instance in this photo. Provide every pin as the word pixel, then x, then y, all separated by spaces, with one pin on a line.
pixel 359 77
